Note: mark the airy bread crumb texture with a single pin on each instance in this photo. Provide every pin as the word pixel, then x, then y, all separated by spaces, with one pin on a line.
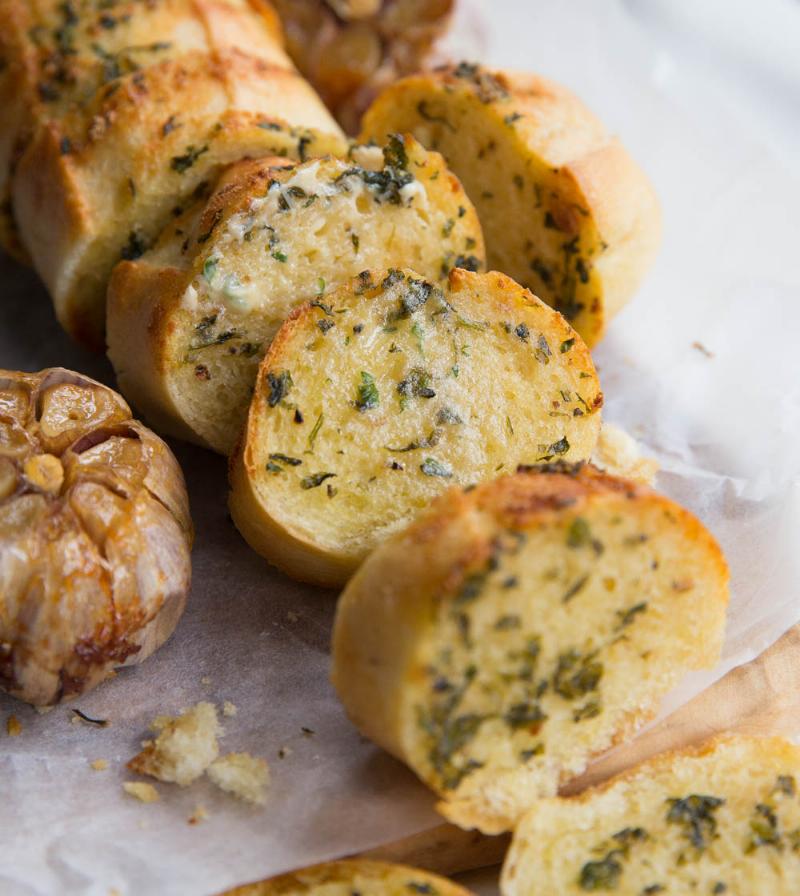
pixel 423 388
pixel 619 454
pixel 721 818
pixel 241 774
pixel 184 748
pixel 518 629
pixel 141 790
pixel 564 208
pixel 187 747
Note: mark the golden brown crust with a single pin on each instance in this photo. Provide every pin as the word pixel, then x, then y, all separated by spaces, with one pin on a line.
pixel 158 301
pixel 385 622
pixel 366 877
pixel 110 137
pixel 378 487
pixel 95 536
pixel 588 187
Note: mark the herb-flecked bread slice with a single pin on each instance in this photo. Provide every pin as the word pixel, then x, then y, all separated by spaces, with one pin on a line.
pixel 373 401
pixel 113 117
pixel 189 322
pixel 721 818
pixel 565 210
pixel 516 630
pixel 354 876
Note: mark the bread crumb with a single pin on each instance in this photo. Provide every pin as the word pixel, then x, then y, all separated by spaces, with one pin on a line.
pixel 702 349
pixel 229 709
pixel 43 710
pixel 241 774
pixel 99 765
pixel 619 454
pixel 283 752
pixel 200 814
pixel 185 746
pixel 13 726
pixel 141 790
pixel 205 680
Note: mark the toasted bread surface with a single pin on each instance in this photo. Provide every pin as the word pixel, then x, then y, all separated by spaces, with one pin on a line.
pixel 565 210
pixel 202 307
pixel 517 629
pixel 374 401
pixel 720 818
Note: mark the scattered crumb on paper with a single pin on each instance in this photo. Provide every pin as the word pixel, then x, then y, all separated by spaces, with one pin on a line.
pixel 229 709
pixel 99 765
pixel 200 814
pixel 141 790
pixel 186 745
pixel 13 726
pixel 241 774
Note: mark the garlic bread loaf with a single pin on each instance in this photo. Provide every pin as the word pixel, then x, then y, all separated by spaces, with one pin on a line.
pixel 376 399
pixel 721 818
pixel 565 210
pixel 118 115
pixel 351 877
pixel 518 629
pixel 95 536
pixel 189 321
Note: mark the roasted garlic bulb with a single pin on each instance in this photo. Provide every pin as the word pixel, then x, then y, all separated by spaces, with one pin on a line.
pixel 95 536
pixel 350 49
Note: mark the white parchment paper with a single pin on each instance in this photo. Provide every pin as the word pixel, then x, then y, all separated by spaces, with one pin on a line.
pixel 725 427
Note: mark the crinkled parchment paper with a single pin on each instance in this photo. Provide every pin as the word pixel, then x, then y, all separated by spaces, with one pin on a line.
pixel 703 367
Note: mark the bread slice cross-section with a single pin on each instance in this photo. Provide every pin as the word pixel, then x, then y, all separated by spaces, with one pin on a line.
pixel 564 208
pixel 373 401
pixel 721 818
pixel 518 629
pixel 189 322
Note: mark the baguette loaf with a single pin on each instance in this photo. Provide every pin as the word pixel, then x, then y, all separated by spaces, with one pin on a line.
pixel 117 116
pixel 95 536
pixel 516 630
pixel 354 877
pixel 722 818
pixel 565 210
pixel 189 321
pixel 371 403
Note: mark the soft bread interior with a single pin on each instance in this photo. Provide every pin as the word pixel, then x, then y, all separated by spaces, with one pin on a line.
pixel 372 402
pixel 720 819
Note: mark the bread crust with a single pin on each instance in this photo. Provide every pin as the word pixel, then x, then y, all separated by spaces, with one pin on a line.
pixel 675 773
pixel 93 180
pixel 328 556
pixel 95 536
pixel 546 128
pixel 387 611
pixel 372 878
pixel 149 328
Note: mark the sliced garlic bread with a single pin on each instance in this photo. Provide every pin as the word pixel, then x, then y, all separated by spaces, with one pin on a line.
pixel 354 877
pixel 114 113
pixel 518 629
pixel 376 399
pixel 189 321
pixel 565 210
pixel 722 818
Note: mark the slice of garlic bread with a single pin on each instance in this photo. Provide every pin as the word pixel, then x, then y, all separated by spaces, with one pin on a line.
pixel 189 321
pixel 354 877
pixel 516 630
pixel 565 210
pixel 374 400
pixel 722 818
